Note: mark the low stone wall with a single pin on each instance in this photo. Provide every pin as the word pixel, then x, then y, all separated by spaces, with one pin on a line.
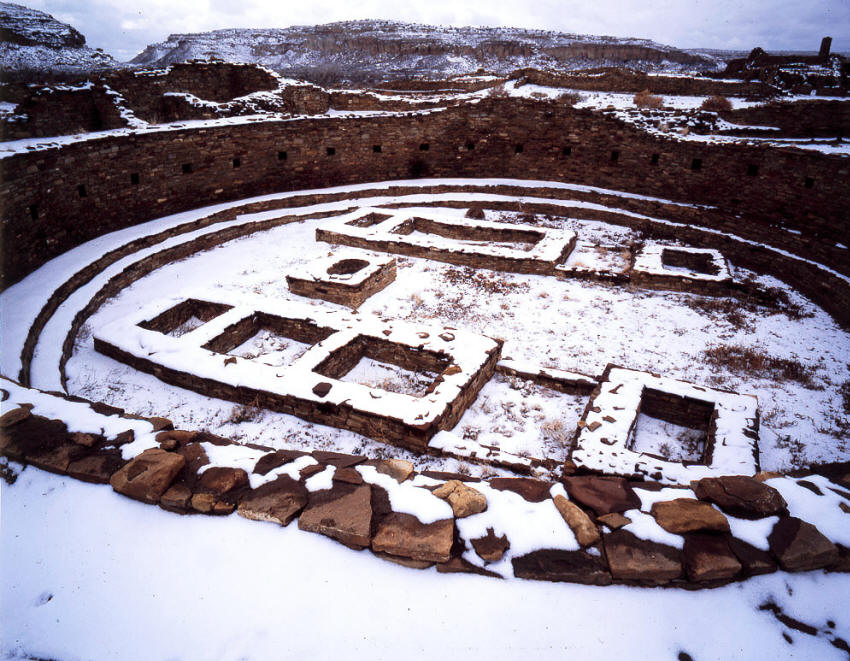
pixel 347 498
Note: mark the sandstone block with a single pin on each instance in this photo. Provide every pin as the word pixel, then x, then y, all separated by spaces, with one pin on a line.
pixel 490 547
pixel 708 558
pixel 740 496
pixel 147 476
pixel 342 514
pixel 583 528
pixel 603 495
pixel 405 535
pixel 799 546
pixel 684 515
pixel 630 558
pixel 278 501
pixel 464 500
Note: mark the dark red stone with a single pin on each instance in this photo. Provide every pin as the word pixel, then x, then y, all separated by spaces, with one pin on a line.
pixel 535 491
pixel 559 565
pixel 604 495
pixel 799 546
pixel 753 561
pixel 708 558
pixel 740 496
pixel 630 558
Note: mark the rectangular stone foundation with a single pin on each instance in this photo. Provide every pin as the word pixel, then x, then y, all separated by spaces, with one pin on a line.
pixel 310 387
pixel 329 279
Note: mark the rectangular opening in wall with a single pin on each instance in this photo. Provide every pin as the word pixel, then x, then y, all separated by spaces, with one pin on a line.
pixel 81 190
pixel 752 170
pixel 330 151
pixel 186 168
pixel 269 339
pixel 424 146
pixel 566 151
pixel 696 164
pixel 697 262
pixel 33 211
pixel 470 145
pixel 809 182
pixel 385 365
pixel 672 427
pixel 376 149
pixel 518 149
pixel 655 158
pixel 615 155
pixel 237 162
pixel 185 317
pixel 134 178
pixel 281 156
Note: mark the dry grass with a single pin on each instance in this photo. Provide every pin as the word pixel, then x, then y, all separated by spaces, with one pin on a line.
pixel 645 99
pixel 568 98
pixel 498 92
pixel 754 362
pixel 716 103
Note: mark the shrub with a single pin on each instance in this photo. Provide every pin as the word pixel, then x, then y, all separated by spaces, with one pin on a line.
pixel 646 100
pixel 716 103
pixel 568 98
pixel 754 362
pixel 498 92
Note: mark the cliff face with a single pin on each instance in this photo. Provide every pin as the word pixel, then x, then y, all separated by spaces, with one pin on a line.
pixel 32 41
pixel 375 50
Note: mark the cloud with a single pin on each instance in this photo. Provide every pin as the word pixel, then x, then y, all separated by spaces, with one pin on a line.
pixel 124 29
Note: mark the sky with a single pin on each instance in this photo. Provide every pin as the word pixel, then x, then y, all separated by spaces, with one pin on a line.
pixel 124 28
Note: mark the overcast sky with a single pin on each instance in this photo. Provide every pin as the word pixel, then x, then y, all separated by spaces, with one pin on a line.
pixel 123 28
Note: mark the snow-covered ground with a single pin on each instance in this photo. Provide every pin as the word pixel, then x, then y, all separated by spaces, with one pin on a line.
pixel 567 324
pixel 88 574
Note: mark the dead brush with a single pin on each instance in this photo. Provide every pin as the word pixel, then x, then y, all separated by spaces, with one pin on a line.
pixel 645 99
pixel 755 362
pixel 716 103
pixel 568 98
pixel 244 413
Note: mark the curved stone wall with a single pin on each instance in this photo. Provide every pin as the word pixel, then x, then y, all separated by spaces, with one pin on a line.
pixel 789 199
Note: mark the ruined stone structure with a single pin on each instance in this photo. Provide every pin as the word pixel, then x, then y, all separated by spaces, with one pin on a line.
pixel 781 211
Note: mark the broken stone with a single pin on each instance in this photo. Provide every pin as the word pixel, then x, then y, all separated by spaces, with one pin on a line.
pixel 457 565
pixel 534 491
pixel 615 520
pixel 799 546
pixel 321 389
pixel 96 468
pixel 708 558
pixel 636 559
pixel 276 459
pixel 603 495
pixel 740 496
pixel 464 500
pixel 278 501
pixel 404 562
pixel 348 475
pixel 683 515
pixel 14 416
pixel 147 476
pixel 754 561
pixel 160 424
pixel 311 470
pixel 398 469
pixel 490 547
pixel 86 440
pixel 343 513
pixel 220 480
pixel 559 565
pixel 583 528
pixel 405 535
pixel 56 459
pixel 176 499
pixel 338 459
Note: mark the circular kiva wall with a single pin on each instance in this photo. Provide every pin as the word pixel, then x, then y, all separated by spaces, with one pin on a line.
pixel 791 200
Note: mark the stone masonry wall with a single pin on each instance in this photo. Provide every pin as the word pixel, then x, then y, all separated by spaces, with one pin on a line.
pixel 795 199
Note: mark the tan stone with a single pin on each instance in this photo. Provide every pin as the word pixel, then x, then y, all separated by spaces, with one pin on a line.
pixel 585 531
pixel 683 515
pixel 147 476
pixel 398 469
pixel 177 498
pixel 464 500
pixel 405 535
pixel 615 520
pixel 278 501
pixel 86 440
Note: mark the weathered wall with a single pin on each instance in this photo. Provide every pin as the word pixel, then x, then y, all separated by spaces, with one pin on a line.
pixel 794 200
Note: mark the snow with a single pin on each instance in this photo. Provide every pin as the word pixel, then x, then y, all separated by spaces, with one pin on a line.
pixel 78 585
pixel 650 260
pixel 822 511
pixel 409 497
pixel 322 480
pixel 528 527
